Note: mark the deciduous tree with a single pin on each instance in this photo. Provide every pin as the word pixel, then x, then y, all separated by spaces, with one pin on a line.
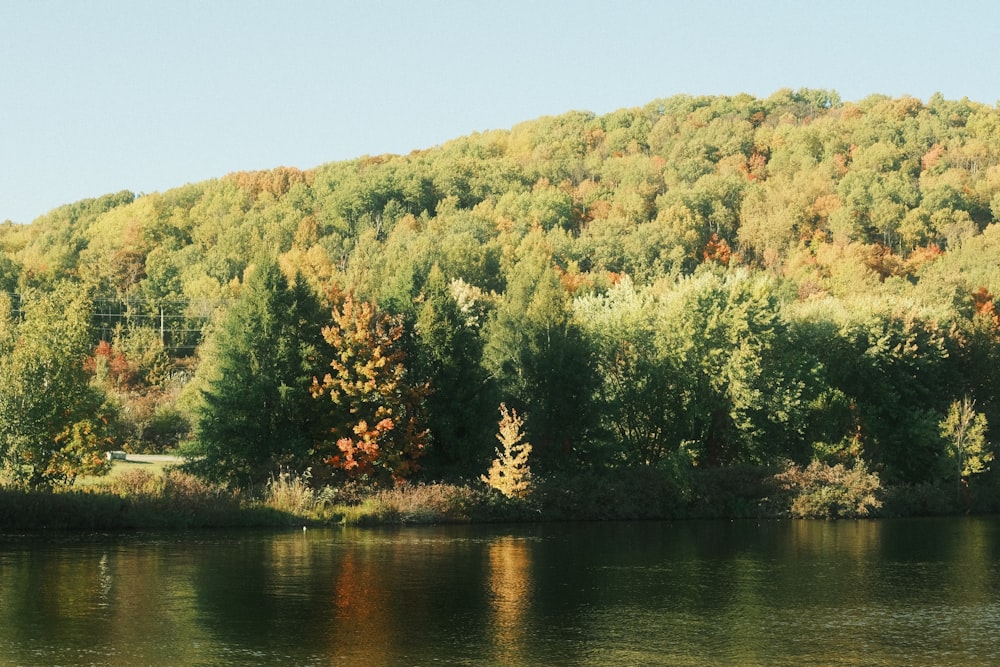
pixel 378 419
pixel 964 433
pixel 510 473
pixel 54 425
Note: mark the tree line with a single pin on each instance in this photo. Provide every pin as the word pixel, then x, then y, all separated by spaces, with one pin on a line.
pixel 700 283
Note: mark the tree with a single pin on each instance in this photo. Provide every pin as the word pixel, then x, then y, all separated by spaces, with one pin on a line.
pixel 537 352
pixel 964 432
pixel 890 359
pixel 642 396
pixel 54 425
pixel 510 473
pixel 255 414
pixel 378 421
pixel 743 395
pixel 448 352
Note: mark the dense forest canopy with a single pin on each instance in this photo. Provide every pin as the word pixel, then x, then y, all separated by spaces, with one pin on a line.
pixel 700 282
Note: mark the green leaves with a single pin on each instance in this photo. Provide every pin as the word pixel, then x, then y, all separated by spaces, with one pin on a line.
pixel 55 424
pixel 255 414
pixel 536 352
pixel 964 433
pixel 695 370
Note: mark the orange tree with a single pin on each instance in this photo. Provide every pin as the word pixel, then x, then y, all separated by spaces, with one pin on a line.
pixel 378 418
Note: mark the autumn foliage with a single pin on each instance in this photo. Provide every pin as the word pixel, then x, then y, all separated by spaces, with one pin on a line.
pixel 510 473
pixel 380 428
pixel 700 282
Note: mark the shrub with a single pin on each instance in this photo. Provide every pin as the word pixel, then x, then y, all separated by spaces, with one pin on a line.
pixel 922 499
pixel 185 495
pixel 643 492
pixel 733 491
pixel 166 429
pixel 822 491
pixel 414 503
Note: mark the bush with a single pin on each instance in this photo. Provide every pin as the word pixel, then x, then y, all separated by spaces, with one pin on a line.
pixel 192 501
pixel 923 499
pixel 822 491
pixel 733 491
pixel 421 503
pixel 135 482
pixel 622 493
pixel 166 429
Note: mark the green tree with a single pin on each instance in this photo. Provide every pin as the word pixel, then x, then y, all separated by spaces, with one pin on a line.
pixel 255 414
pixel 642 396
pixel 890 359
pixel 964 433
pixel 537 352
pixel 744 393
pixel 55 424
pixel 448 352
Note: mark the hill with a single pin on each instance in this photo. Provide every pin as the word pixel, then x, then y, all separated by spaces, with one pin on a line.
pixel 700 282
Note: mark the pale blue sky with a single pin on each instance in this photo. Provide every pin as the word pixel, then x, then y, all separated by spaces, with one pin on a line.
pixel 99 96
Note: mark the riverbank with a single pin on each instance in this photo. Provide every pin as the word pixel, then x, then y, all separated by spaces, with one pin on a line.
pixel 156 495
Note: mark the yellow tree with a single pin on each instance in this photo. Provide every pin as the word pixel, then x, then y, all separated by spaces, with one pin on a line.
pixel 964 432
pixel 510 473
pixel 379 411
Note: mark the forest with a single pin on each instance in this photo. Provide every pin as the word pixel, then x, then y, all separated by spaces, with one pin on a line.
pixel 702 300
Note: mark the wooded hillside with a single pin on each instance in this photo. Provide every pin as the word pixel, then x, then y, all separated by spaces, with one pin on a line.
pixel 701 282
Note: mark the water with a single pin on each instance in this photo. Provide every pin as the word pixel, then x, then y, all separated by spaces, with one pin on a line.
pixel 915 592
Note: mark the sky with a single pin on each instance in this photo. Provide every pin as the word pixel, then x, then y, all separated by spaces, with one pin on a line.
pixel 143 95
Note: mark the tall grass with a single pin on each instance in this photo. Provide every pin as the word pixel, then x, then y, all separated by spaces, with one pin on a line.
pixel 148 498
pixel 133 499
pixel 292 494
pixel 414 503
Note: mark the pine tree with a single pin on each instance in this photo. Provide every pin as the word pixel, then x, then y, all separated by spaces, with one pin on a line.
pixel 449 353
pixel 256 414
pixel 538 353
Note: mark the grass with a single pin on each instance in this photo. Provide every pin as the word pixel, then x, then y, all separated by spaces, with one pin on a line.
pixel 120 468
pixel 137 495
pixel 133 495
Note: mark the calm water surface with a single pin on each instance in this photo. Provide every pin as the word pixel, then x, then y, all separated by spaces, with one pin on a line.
pixel 920 592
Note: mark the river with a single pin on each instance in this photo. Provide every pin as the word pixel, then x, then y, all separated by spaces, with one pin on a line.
pixel 890 592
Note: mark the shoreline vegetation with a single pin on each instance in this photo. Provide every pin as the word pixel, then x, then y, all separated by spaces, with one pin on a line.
pixel 714 306
pixel 166 498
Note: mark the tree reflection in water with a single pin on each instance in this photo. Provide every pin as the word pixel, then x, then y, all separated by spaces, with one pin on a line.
pixel 510 587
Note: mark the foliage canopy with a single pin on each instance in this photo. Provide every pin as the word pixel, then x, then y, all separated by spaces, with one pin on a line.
pixel 699 282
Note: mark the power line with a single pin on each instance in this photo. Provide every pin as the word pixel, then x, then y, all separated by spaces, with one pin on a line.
pixel 179 322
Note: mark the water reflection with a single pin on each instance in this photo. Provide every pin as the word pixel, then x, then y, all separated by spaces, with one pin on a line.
pixel 509 580
pixel 698 593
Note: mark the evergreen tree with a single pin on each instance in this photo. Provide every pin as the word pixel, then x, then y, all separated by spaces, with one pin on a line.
pixel 448 352
pixel 256 414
